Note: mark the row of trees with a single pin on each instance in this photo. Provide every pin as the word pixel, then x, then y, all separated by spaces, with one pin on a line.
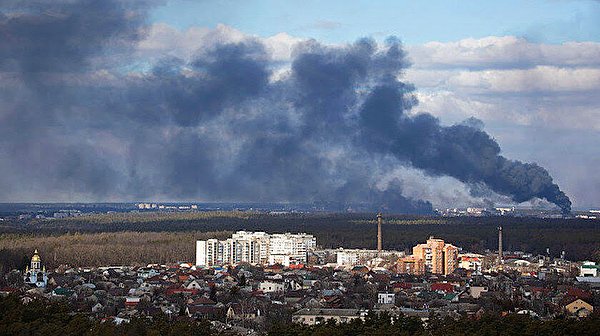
pixel 43 318
pixel 492 325
pixel 101 249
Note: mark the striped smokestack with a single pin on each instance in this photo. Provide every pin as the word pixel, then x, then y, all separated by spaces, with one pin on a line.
pixel 499 245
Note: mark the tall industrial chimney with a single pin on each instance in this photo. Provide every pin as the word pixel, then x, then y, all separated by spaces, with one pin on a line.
pixel 500 257
pixel 379 220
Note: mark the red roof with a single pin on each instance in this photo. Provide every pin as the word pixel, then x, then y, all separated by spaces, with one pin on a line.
pixel 403 285
pixel 578 293
pixel 442 286
pixel 540 290
pixel 203 301
pixel 154 278
pixel 204 309
pixel 172 291
pixel 132 301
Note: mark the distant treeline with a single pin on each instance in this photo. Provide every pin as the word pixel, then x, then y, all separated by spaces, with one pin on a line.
pixel 169 237
pixel 101 249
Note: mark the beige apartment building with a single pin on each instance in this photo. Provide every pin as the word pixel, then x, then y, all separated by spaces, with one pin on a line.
pixel 411 265
pixel 435 256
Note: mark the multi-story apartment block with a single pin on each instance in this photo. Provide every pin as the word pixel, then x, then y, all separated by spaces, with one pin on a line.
pixel 353 257
pixel 411 265
pixel 257 248
pixel 435 256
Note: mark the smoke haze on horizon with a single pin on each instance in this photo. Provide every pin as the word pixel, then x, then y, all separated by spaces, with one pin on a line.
pixel 82 118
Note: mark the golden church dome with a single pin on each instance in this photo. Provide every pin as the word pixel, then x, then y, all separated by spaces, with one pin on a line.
pixel 36 257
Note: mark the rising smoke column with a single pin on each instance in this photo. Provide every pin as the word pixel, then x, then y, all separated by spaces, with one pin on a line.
pixel 464 152
pixel 78 122
pixel 461 151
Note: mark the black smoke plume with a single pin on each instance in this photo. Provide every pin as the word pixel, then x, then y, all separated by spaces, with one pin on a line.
pixel 82 118
pixel 464 152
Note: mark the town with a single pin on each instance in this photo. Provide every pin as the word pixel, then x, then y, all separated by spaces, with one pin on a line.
pixel 241 284
pixel 299 168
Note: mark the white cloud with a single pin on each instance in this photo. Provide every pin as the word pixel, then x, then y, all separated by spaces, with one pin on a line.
pixel 164 40
pixel 503 52
pixel 281 46
pixel 541 79
pixel 553 112
pixel 509 80
pixel 452 108
pixel 536 80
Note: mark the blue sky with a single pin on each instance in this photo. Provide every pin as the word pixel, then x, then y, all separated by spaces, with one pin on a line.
pixel 415 22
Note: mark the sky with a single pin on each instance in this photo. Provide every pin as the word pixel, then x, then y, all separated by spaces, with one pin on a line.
pixel 415 22
pixel 495 101
pixel 420 22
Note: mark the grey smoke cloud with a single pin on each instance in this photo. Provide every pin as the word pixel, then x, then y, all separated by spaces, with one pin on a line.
pixel 462 151
pixel 217 126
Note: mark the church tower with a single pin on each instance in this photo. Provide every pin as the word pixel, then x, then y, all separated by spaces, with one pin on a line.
pixel 35 274
pixel 36 261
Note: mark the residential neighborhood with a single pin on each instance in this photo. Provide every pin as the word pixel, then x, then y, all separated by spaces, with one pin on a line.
pixel 245 298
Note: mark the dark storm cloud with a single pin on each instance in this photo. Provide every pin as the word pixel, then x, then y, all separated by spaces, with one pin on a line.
pixel 217 126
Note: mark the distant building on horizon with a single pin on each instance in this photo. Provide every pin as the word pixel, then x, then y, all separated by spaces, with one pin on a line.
pixel 256 248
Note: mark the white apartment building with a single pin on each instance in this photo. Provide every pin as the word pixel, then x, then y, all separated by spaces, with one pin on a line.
pixel 470 261
pixel 257 248
pixel 589 269
pixel 386 298
pixel 353 257
pixel 270 287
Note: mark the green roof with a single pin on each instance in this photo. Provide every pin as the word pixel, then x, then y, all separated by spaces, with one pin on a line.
pixel 63 291
pixel 449 296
